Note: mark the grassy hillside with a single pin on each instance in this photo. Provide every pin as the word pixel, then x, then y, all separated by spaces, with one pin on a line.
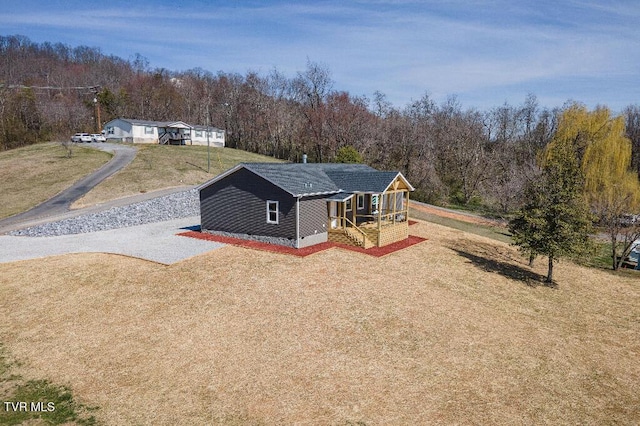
pixel 163 166
pixel 35 173
pixel 455 330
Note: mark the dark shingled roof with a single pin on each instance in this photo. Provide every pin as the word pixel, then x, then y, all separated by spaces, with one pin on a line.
pixel 362 181
pixel 295 178
pixel 341 196
pixel 306 179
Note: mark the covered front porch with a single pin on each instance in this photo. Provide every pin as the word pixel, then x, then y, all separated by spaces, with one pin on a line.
pixel 369 219
pixel 177 133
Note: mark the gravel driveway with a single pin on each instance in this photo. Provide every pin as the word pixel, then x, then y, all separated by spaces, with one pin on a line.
pixel 157 242
pixel 146 230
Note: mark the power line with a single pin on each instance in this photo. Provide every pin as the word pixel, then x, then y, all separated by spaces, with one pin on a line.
pixel 20 86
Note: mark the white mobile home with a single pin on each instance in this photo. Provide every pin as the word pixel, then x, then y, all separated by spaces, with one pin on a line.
pixel 161 132
pixel 199 136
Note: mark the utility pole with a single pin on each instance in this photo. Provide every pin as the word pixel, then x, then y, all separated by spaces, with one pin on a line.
pixel 208 144
pixel 98 121
pixel 97 105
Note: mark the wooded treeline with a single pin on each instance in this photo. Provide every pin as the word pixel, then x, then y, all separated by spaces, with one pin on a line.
pixel 450 153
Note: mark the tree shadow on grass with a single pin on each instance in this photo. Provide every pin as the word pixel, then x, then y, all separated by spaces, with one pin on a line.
pixel 496 260
pixel 197 167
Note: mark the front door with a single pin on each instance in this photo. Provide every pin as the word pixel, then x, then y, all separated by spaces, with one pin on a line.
pixel 333 213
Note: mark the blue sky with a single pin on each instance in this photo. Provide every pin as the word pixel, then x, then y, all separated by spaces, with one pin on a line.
pixel 484 52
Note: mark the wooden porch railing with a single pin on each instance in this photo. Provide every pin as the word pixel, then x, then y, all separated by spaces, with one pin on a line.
pixel 390 216
pixel 360 232
pixel 164 139
pixel 352 231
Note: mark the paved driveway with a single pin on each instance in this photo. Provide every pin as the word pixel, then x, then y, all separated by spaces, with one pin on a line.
pixel 122 156
pixel 157 242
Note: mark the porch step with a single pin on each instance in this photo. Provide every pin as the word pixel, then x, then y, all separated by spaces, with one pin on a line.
pixel 350 237
pixel 339 236
pixel 354 236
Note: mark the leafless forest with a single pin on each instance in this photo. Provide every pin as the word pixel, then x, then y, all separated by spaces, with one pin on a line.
pixel 452 154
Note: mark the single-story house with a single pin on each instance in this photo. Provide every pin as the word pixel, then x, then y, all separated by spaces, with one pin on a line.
pixel 162 132
pixel 303 204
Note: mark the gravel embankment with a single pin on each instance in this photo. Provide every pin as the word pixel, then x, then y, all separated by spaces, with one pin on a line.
pixel 173 206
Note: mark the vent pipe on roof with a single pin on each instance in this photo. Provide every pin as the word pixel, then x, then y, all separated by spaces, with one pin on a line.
pixel 304 158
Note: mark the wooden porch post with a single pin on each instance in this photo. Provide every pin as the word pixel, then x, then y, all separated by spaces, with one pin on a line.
pixel 407 207
pixel 395 202
pixel 379 214
pixel 344 214
pixel 396 184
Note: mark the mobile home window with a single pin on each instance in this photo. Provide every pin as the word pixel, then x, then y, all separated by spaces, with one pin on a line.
pixel 349 204
pixel 110 130
pixel 198 133
pixel 148 130
pixel 272 212
pixel 360 201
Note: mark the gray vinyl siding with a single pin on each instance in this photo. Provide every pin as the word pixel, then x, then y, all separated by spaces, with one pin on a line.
pixel 313 216
pixel 238 204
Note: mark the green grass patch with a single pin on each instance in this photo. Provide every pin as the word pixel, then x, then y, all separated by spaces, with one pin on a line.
pixel 25 400
pixel 600 258
pixel 494 232
pixel 162 166
pixel 35 173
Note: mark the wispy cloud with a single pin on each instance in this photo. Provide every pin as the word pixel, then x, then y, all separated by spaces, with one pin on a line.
pixel 495 49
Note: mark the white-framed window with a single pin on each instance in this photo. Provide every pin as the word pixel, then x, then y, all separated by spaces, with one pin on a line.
pixel 272 212
pixel 110 130
pixel 198 133
pixel 219 135
pixel 148 130
pixel 360 201
pixel 349 204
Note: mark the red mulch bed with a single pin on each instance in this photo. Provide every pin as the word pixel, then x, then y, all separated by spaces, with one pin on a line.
pixel 306 251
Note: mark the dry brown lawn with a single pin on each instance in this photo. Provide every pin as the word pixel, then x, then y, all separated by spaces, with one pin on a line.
pixel 161 166
pixel 455 330
pixel 35 173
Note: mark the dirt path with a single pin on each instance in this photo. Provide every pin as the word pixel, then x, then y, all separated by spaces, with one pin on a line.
pixel 452 214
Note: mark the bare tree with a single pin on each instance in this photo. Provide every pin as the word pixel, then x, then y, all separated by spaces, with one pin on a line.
pixel 311 89
pixel 462 159
pixel 632 122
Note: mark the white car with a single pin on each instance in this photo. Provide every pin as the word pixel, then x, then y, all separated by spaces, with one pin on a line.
pixel 98 137
pixel 81 137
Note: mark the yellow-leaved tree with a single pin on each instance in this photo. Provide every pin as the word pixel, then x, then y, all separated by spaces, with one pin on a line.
pixel 611 188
